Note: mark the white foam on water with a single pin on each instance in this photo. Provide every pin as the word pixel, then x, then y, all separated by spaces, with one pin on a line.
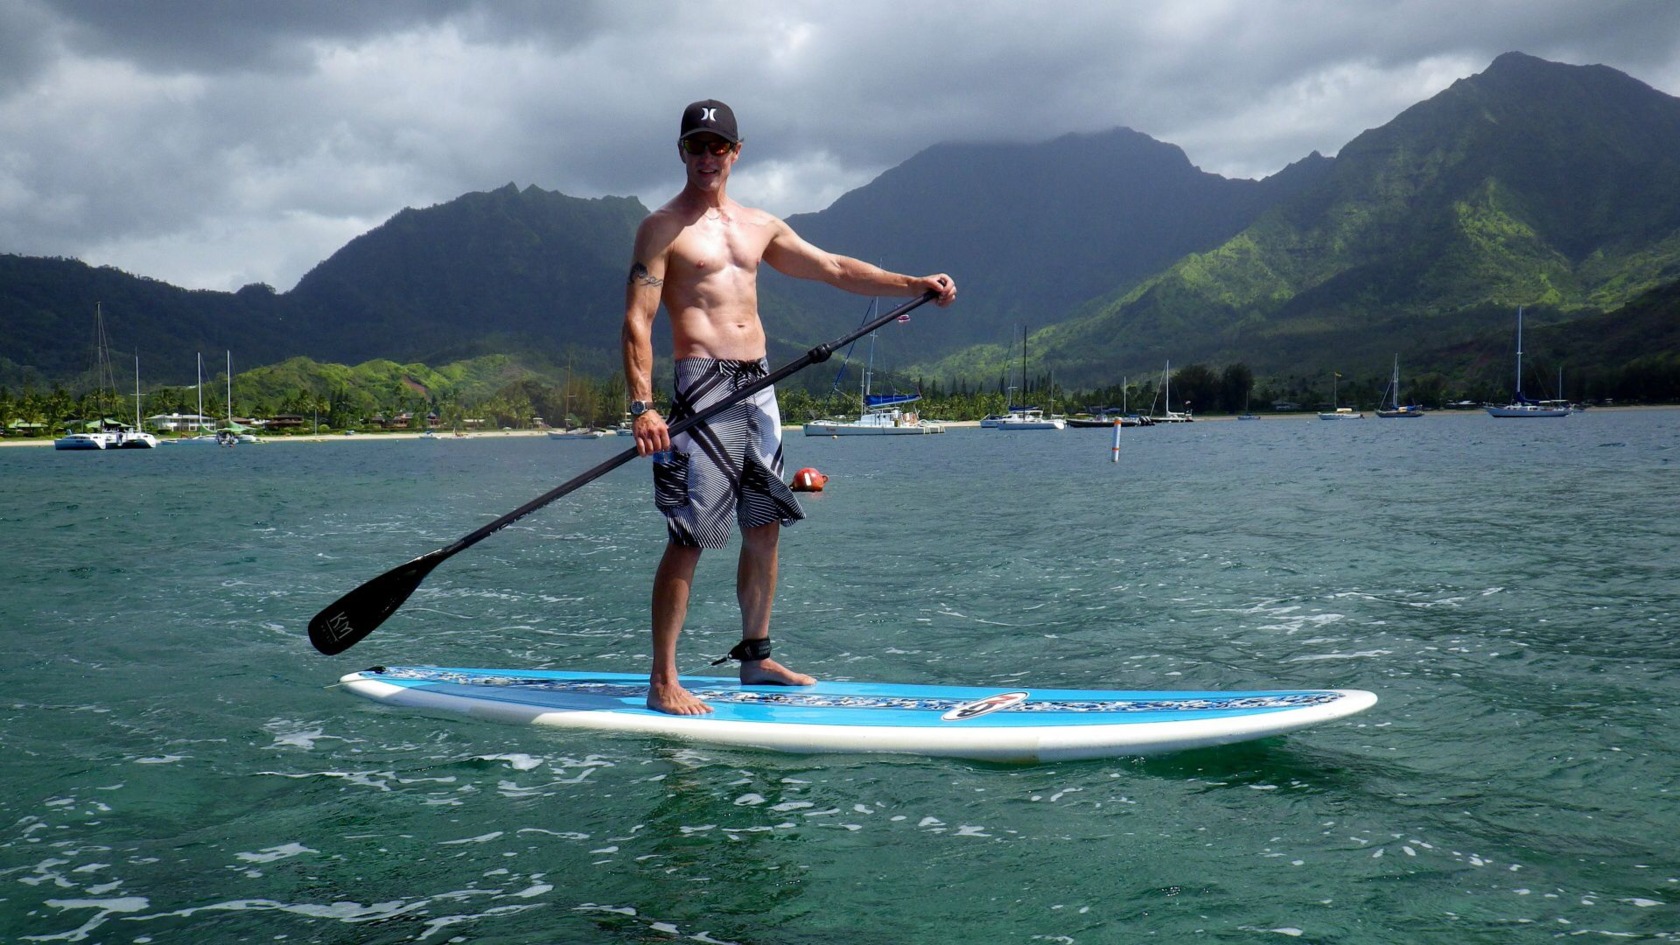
pixel 481 838
pixel 516 761
pixel 440 923
pixel 271 854
pixel 123 904
pixel 1360 655
pixel 304 735
pixel 562 834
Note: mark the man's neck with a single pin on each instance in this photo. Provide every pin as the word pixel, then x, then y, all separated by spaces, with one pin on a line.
pixel 692 196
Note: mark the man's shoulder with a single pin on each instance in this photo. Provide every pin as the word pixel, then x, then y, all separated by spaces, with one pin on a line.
pixel 756 217
pixel 660 226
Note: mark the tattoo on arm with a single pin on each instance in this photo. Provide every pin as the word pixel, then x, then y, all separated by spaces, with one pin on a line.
pixel 639 276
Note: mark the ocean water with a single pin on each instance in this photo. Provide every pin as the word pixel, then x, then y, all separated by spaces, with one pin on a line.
pixel 176 765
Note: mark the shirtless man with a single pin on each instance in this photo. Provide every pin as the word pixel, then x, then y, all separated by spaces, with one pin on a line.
pixel 699 255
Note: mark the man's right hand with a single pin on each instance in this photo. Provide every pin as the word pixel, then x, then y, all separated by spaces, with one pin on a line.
pixel 651 433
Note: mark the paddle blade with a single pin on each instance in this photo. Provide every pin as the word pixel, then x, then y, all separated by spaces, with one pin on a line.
pixel 360 612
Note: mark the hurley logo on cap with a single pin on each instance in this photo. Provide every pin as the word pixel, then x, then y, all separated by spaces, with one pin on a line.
pixel 709 117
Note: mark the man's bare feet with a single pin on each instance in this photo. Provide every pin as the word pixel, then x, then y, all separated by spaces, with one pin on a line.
pixel 673 699
pixel 771 673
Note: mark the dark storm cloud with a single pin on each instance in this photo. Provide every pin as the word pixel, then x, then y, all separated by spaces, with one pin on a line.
pixel 215 143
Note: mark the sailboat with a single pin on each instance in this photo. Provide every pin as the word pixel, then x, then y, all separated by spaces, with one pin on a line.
pixel 100 438
pixel 882 414
pixel 202 439
pixel 136 439
pixel 1338 413
pixel 1028 417
pixel 1245 415
pixel 571 432
pixel 1170 416
pixel 1522 406
pixel 1391 396
pixel 1106 417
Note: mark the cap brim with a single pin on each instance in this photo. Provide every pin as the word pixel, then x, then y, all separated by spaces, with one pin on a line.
pixel 708 131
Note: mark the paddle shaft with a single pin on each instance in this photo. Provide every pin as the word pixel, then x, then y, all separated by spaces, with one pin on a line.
pixel 816 355
pixel 356 614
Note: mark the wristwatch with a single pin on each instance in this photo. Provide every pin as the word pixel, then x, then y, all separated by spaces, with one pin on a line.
pixel 639 407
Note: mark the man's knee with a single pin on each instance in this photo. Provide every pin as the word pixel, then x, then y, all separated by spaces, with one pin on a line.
pixel 681 556
pixel 761 540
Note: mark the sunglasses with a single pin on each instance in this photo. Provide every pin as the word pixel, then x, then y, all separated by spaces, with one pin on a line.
pixel 716 146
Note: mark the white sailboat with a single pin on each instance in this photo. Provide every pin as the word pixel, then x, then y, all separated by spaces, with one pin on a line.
pixel 1170 416
pixel 1025 417
pixel 1337 412
pixel 1522 406
pixel 571 432
pixel 1391 396
pixel 138 438
pixel 882 414
pixel 202 438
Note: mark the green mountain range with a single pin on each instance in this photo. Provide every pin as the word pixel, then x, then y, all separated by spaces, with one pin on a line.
pixel 1533 183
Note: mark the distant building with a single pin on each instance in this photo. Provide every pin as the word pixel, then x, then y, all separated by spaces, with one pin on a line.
pixel 1285 406
pixel 286 421
pixel 177 422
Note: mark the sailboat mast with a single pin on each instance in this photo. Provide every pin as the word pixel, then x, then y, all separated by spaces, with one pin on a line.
pixel 136 392
pixel 1023 365
pixel 230 388
pixel 1519 354
pixel 198 421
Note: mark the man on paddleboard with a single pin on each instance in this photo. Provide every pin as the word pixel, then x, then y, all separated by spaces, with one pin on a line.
pixel 699 256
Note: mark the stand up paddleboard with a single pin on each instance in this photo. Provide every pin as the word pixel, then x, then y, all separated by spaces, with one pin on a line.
pixel 951 721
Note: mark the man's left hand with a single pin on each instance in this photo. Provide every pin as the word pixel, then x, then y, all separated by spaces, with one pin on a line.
pixel 940 283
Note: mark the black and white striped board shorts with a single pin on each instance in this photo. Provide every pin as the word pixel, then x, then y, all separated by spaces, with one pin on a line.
pixel 729 467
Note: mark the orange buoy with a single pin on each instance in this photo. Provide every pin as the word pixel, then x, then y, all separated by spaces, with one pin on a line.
pixel 809 480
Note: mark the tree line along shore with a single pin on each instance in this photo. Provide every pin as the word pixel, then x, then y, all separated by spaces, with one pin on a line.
pixel 300 397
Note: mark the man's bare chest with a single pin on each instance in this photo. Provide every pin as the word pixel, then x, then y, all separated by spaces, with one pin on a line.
pixel 708 247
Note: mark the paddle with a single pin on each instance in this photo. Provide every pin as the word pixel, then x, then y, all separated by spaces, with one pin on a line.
pixel 360 612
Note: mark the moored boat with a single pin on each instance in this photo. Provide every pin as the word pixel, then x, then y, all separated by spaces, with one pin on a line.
pixel 1338 413
pixel 1522 406
pixel 1395 410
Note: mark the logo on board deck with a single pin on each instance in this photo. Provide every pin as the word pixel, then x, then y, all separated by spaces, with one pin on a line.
pixel 969 710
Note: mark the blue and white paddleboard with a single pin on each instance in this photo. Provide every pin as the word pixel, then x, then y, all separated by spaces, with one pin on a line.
pixel 953 721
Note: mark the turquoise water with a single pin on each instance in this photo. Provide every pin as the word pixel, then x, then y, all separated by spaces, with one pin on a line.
pixel 176 767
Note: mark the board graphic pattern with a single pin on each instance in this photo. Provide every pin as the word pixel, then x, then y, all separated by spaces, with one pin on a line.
pixel 1200 703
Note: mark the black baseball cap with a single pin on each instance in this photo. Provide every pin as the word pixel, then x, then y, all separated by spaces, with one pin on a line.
pixel 709 117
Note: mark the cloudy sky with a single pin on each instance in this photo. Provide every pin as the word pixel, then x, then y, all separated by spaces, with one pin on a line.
pixel 212 143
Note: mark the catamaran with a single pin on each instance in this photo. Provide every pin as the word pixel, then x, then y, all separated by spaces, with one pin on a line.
pixel 138 438
pixel 104 436
pixel 1522 406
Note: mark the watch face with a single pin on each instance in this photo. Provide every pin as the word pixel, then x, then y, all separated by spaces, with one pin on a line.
pixel 638 407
